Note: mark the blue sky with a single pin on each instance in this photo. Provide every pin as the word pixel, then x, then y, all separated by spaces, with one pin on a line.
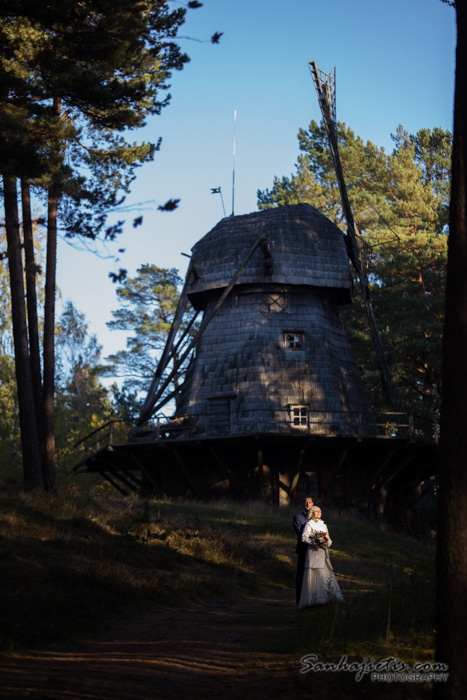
pixel 394 63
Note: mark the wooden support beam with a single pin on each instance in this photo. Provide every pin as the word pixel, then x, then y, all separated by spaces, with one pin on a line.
pixel 224 468
pixel 188 328
pixel 274 476
pixel 114 483
pixel 187 476
pixel 134 482
pixel 124 480
pixel 300 460
pixel 153 408
pixel 387 458
pixel 146 472
pixel 412 481
pixel 337 468
pixel 259 462
pixel 401 465
pixel 267 257
pixel 153 394
pixel 298 468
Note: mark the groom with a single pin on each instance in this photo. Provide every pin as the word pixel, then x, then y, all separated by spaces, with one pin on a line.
pixel 299 523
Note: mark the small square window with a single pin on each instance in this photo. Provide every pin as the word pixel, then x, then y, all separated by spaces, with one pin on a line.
pixel 294 341
pixel 299 415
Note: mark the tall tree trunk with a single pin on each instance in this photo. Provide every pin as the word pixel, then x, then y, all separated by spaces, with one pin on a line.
pixel 31 297
pixel 48 393
pixel 27 414
pixel 451 644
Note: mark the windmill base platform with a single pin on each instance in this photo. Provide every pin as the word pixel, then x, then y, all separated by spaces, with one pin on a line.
pixel 376 474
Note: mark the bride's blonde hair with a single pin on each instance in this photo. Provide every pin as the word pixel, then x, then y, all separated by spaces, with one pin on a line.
pixel 309 515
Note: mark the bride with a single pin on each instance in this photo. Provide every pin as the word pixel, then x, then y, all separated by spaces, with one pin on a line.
pixel 319 582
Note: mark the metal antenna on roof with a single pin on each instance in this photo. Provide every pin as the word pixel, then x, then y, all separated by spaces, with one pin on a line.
pixel 233 170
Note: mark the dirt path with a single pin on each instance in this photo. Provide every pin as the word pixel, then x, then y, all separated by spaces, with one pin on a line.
pixel 207 650
pixel 213 649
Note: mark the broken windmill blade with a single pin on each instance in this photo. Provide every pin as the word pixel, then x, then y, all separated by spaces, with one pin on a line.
pixel 325 86
pixel 156 390
pixel 183 337
pixel 167 353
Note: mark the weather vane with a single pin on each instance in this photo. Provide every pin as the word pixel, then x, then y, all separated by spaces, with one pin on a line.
pixel 217 190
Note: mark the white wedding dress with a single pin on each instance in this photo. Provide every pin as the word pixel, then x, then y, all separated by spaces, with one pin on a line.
pixel 319 582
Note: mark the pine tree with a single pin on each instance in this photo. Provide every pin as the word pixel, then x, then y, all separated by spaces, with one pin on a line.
pixel 83 402
pixel 72 75
pixel 148 304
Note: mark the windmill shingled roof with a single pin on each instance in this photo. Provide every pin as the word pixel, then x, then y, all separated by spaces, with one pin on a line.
pixel 307 249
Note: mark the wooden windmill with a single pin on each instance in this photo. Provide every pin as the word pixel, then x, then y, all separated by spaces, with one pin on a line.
pixel 272 404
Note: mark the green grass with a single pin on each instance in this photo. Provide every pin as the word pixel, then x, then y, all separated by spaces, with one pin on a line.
pixel 70 566
pixel 73 565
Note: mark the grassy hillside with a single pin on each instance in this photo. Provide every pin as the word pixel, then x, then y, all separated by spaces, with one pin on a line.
pixel 71 566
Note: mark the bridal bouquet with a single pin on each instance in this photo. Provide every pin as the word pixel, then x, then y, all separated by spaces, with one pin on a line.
pixel 321 539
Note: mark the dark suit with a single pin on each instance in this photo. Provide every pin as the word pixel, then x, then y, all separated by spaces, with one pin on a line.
pixel 299 523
